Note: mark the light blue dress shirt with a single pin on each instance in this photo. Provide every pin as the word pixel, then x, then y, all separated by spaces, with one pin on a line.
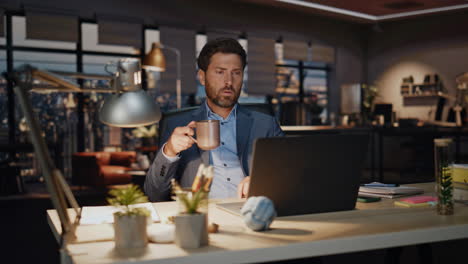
pixel 227 167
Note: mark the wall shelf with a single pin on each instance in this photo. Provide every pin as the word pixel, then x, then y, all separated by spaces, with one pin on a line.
pixel 424 99
pixel 427 96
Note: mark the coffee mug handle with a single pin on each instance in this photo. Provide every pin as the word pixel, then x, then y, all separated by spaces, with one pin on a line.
pixel 192 138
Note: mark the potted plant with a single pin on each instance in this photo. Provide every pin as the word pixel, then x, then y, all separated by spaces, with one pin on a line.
pixel 129 222
pixel 370 92
pixel 191 223
pixel 147 135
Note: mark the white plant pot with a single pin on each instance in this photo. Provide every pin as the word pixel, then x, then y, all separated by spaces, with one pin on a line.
pixel 130 231
pixel 191 230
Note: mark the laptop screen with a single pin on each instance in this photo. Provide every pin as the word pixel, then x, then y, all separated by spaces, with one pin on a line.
pixel 308 174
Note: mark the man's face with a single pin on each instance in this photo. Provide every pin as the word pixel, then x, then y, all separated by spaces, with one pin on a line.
pixel 223 79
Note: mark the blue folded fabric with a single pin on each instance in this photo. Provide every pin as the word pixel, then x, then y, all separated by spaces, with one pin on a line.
pixel 258 213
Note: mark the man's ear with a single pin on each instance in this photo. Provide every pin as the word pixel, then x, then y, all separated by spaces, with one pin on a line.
pixel 201 77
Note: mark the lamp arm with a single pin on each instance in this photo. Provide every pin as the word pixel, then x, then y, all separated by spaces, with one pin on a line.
pixel 55 78
pixel 55 183
pixel 178 81
pixel 80 75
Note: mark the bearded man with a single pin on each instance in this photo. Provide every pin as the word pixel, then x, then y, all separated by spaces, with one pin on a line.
pixel 221 66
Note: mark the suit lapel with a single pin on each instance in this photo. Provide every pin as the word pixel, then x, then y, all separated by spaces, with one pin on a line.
pixel 200 114
pixel 244 124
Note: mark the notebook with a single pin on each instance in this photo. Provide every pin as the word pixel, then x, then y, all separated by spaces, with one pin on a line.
pixel 306 174
pixel 389 192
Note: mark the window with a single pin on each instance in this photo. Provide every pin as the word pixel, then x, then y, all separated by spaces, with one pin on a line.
pixel 3 97
pixel 200 41
pixel 303 82
pixel 57 112
pixel 316 92
pixel 3 106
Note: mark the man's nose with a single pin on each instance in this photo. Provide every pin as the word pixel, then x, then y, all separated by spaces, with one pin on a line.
pixel 228 79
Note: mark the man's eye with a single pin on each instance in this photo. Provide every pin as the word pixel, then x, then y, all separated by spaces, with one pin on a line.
pixel 237 73
pixel 219 72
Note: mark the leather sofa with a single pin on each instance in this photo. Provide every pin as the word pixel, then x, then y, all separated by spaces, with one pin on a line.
pixel 102 168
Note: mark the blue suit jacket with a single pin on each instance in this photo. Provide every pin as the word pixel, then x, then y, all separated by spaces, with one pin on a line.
pixel 250 126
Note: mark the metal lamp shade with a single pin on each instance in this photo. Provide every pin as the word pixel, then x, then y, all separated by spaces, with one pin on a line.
pixel 130 109
pixel 155 60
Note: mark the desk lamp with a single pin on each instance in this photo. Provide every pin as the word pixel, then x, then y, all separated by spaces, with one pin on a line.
pixel 155 61
pixel 126 80
pixel 129 106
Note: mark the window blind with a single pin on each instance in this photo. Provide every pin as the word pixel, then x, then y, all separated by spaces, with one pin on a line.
pixel 215 35
pixel 2 25
pixel 51 24
pixel 322 53
pixel 122 31
pixel 295 50
pixel 184 41
pixel 261 66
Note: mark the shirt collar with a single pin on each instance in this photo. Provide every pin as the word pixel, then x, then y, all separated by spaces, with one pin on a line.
pixel 211 114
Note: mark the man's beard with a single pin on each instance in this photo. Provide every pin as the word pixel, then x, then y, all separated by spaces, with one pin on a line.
pixel 220 100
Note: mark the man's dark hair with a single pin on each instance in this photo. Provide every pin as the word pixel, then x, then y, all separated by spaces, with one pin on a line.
pixel 223 45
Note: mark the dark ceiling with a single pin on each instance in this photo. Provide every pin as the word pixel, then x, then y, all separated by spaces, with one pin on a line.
pixel 388 7
pixel 368 10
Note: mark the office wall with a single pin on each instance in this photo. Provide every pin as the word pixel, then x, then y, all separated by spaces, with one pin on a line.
pixel 419 46
pixel 237 17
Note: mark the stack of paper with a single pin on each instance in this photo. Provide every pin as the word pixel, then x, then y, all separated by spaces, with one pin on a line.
pixel 417 201
pixel 389 192
pixel 92 215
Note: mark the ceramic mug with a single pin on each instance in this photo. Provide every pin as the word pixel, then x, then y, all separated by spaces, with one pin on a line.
pixel 207 134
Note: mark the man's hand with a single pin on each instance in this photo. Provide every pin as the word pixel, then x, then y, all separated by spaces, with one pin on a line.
pixel 179 140
pixel 243 188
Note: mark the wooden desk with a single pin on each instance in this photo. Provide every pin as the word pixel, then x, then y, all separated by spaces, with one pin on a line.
pixel 372 226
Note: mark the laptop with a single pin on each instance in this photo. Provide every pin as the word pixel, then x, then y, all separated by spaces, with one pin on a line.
pixel 306 174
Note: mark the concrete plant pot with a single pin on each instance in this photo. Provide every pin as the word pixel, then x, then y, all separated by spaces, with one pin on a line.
pixel 130 231
pixel 191 230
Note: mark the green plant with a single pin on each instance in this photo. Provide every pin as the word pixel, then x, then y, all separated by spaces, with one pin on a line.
pixel 144 132
pixel 446 189
pixel 370 92
pixel 190 199
pixel 125 197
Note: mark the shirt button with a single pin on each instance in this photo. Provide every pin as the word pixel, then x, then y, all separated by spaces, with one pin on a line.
pixel 224 164
pixel 222 123
pixel 229 179
pixel 222 143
